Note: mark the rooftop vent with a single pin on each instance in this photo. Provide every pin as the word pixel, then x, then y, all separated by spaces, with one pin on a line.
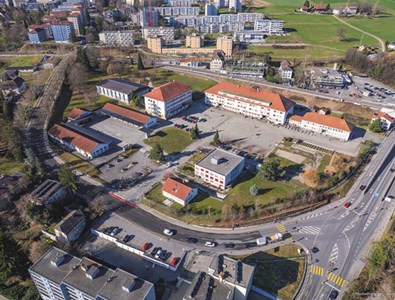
pixel 216 160
pixel 128 285
pixel 91 271
pixel 58 259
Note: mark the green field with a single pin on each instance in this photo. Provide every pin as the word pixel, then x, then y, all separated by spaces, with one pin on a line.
pixel 9 167
pixel 170 139
pixel 320 31
pixel 18 61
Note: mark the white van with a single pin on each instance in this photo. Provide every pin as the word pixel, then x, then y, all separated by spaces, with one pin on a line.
pixel 261 241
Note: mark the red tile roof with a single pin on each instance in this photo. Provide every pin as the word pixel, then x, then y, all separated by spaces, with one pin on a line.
pixel 177 189
pixel 383 115
pixel 188 59
pixel 168 91
pixel 329 121
pixel 296 118
pixel 319 6
pixel 76 112
pixel 74 138
pixel 128 113
pixel 277 101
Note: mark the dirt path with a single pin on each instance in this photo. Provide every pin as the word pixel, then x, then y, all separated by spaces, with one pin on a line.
pixel 367 33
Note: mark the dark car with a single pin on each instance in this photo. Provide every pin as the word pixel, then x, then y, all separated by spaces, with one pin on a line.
pixel 362 187
pixel 191 240
pixel 250 245
pixel 127 238
pixel 229 245
pixel 155 250
pixel 333 295
pixel 314 250
pixel 163 256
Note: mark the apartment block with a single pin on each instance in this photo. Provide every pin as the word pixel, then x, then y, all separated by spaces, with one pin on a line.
pixel 270 27
pixel 177 11
pixel 194 41
pixel 62 31
pixel 250 102
pixel 166 33
pixel 167 100
pixel 117 38
pixel 219 168
pixel 154 44
pixel 59 275
pixel 225 44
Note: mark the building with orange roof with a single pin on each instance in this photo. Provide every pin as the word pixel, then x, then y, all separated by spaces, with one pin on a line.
pixel 129 116
pixel 324 124
pixel 386 120
pixel 179 192
pixel 79 115
pixel 168 99
pixel 87 146
pixel 251 102
pixel 192 61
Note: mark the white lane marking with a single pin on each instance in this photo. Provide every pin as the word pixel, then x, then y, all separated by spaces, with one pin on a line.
pixel 310 229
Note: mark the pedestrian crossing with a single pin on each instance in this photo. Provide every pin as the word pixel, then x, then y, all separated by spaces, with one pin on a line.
pixel 334 253
pixel 281 228
pixel 370 219
pixel 315 215
pixel 310 229
pixel 336 279
pixel 317 270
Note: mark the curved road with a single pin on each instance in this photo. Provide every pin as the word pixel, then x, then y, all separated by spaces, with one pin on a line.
pixel 364 32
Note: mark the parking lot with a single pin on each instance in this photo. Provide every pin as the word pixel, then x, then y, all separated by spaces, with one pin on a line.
pixel 260 136
pixel 116 227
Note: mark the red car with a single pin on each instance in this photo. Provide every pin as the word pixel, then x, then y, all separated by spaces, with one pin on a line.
pixel 145 246
pixel 347 205
pixel 174 261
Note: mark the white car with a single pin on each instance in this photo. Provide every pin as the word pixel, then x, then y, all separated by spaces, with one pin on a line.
pixel 210 244
pixel 389 198
pixel 168 232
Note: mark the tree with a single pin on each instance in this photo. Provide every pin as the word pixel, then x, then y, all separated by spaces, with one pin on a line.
pixel 78 76
pixel 93 55
pixel 328 6
pixel 216 139
pixel 376 126
pixel 267 58
pixel 7 110
pixel 140 65
pixel 115 67
pixel 82 58
pixel 306 3
pixel 195 132
pixel 156 153
pixel 311 176
pixel 341 34
pixel 254 190
pixel 68 178
pixel 271 169
pixel 138 101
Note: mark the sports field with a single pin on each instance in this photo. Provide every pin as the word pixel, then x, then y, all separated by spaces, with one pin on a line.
pixel 320 31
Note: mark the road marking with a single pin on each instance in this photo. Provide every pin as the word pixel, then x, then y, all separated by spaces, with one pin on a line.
pixel 370 219
pixel 310 229
pixel 315 215
pixel 317 270
pixel 336 279
pixel 334 253
pixel 281 228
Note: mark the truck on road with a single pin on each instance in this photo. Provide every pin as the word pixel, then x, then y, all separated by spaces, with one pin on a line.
pixel 276 237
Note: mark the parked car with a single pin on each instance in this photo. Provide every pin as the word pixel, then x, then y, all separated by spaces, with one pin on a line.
pixel 127 238
pixel 146 246
pixel 333 295
pixel 156 249
pixel 168 232
pixel 362 187
pixel 115 231
pixel 191 240
pixel 158 253
pixel 229 245
pixel 347 204
pixel 210 244
pixel 163 256
pixel 174 261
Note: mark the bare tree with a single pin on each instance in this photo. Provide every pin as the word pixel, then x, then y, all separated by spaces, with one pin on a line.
pixel 93 55
pixel 90 95
pixel 115 67
pixel 78 77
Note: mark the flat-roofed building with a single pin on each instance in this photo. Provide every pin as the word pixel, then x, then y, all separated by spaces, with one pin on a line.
pixel 89 147
pixel 154 44
pixel 225 44
pixel 234 273
pixel 49 191
pixel 167 100
pixel 194 41
pixel 117 38
pixel 324 124
pixel 59 275
pixel 250 101
pixel 219 168
pixel 121 89
pixel 178 191
pixel 70 227
pixel 166 33
pixel 127 115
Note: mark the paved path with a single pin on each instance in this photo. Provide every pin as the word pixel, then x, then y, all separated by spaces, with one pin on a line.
pixel 367 33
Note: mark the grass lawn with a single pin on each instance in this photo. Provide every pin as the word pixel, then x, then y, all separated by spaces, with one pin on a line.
pixel 324 163
pixel 9 167
pixel 77 163
pixel 279 271
pixel 269 191
pixel 170 139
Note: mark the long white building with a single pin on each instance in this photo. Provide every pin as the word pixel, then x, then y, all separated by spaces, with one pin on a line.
pixel 166 33
pixel 167 100
pixel 117 38
pixel 324 124
pixel 250 102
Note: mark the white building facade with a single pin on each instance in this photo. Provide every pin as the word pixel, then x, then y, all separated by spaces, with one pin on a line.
pixel 117 38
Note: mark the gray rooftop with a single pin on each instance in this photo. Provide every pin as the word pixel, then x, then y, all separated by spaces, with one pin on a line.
pixel 122 85
pixel 220 161
pixel 233 271
pixel 70 221
pixel 46 266
pixel 46 189
pixel 125 286
pixel 89 277
pixel 205 287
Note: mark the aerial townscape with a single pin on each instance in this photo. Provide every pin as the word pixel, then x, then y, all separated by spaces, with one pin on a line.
pixel 197 149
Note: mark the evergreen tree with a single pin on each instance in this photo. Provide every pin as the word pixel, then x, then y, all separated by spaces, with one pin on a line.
pixel 216 139
pixel 195 132
pixel 68 178
pixel 140 65
pixel 306 3
pixel 254 190
pixel 82 58
pixel 271 169
pixel 328 7
pixel 376 126
pixel 156 153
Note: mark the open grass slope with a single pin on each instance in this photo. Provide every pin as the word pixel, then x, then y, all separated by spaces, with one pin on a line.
pixel 320 31
pixel 170 139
